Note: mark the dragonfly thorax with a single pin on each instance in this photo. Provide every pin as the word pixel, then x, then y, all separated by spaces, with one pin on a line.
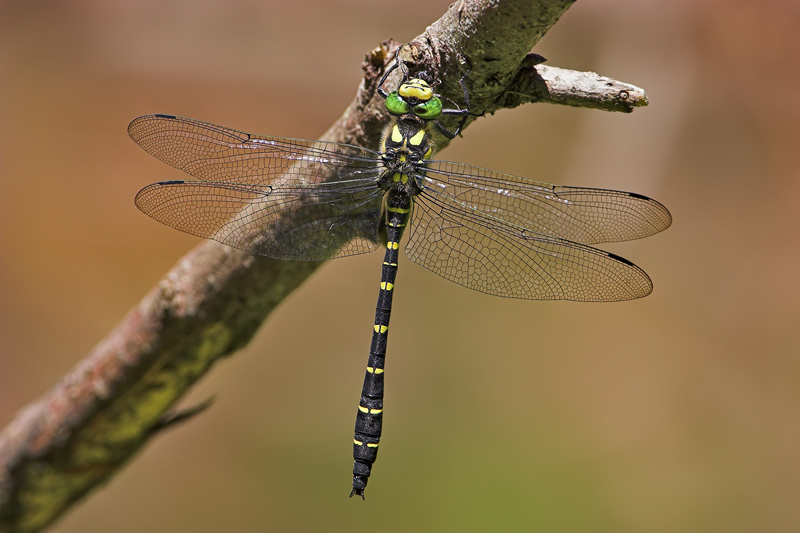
pixel 405 148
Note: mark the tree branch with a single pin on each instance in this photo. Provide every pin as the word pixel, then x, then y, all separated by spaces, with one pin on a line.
pixel 541 83
pixel 212 302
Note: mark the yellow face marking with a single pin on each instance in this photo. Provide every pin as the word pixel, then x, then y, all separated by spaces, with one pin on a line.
pixel 416 140
pixel 396 135
pixel 381 329
pixel 373 370
pixel 372 445
pixel 416 88
pixel 385 285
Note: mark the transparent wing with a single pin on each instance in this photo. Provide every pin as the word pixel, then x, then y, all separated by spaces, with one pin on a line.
pixel 283 198
pixel 582 215
pixel 490 256
pixel 509 236
pixel 214 153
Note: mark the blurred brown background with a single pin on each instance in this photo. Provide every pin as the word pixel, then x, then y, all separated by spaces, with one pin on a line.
pixel 678 412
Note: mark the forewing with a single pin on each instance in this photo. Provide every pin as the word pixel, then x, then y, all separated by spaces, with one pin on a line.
pixel 504 260
pixel 215 153
pixel 582 215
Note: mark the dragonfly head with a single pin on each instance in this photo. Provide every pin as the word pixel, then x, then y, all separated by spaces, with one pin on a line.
pixel 415 96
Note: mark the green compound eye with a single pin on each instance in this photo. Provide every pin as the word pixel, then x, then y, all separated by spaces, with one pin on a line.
pixel 429 110
pixel 396 105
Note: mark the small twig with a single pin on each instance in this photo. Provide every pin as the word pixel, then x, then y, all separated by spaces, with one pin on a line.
pixel 542 83
pixel 178 417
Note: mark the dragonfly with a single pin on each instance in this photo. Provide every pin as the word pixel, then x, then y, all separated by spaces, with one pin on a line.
pixel 308 200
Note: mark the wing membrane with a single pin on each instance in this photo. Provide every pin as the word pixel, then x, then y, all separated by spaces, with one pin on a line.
pixel 582 215
pixel 283 198
pixel 286 223
pixel 482 254
pixel 215 153
pixel 311 200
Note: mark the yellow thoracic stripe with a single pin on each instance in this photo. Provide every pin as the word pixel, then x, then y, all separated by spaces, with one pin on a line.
pixel 385 285
pixel 396 135
pixel 381 329
pixel 373 370
pixel 416 140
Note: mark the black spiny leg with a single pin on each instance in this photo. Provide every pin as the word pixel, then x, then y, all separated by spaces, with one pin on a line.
pixel 397 63
pixel 464 113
